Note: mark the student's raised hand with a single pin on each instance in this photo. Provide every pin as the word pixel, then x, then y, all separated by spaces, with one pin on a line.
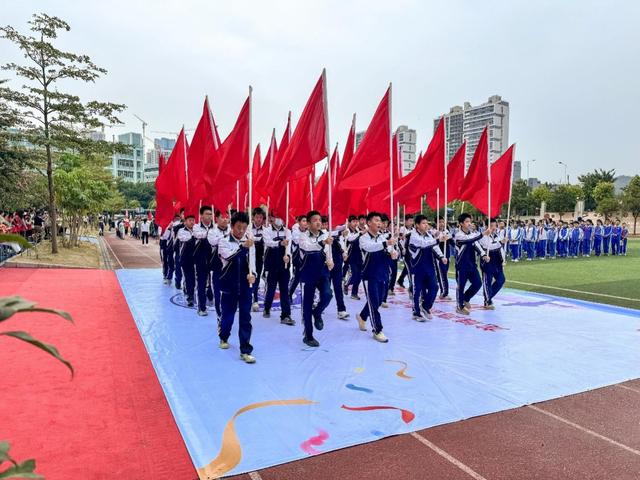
pixel 284 242
pixel 394 255
pixel 286 259
pixel 345 257
pixel 391 242
pixel 248 243
pixel 251 278
pixel 329 240
pixel 486 258
pixel 330 264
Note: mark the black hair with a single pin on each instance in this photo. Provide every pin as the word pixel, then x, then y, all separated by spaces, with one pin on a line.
pixel 408 217
pixel 361 216
pixel 313 213
pixel 325 219
pixel 301 217
pixel 384 217
pixel 204 208
pixel 191 215
pixel 239 217
pixel 372 215
pixel 419 218
pixel 258 211
pixel 352 218
pixel 462 217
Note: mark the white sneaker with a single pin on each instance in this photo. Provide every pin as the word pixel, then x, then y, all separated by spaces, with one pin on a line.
pixel 419 318
pixel 246 358
pixel 426 314
pixel 255 307
pixel 224 345
pixel 362 324
pixel 343 315
pixel 384 305
pixel 203 313
pixel 380 337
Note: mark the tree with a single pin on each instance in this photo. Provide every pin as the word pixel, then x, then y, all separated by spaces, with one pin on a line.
pixel 53 119
pixel 563 198
pixel 604 195
pixel 631 199
pixel 541 193
pixel 589 182
pixel 143 192
pixel 521 201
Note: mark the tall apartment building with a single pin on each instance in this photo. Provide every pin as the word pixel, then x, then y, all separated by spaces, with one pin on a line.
pixel 129 166
pixel 406 143
pixel 467 123
pixel 517 170
pixel 161 146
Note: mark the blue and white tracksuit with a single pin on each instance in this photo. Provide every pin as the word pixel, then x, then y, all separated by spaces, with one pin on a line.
pixel 276 268
pixel 425 255
pixel 375 275
pixel 492 271
pixel 467 245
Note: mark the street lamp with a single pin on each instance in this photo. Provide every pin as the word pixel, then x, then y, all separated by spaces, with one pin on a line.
pixel 528 162
pixel 565 171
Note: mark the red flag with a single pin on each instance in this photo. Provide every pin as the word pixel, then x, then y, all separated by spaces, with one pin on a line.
pixel 477 177
pixel 501 176
pixel 235 150
pixel 173 181
pixel 428 173
pixel 455 176
pixel 378 196
pixel 203 156
pixel 161 164
pixel 262 180
pixel 321 191
pixel 244 183
pixel 348 202
pixel 275 189
pixel 364 170
pixel 308 143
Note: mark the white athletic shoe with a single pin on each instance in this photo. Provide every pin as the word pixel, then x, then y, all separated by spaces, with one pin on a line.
pixel 343 315
pixel 463 311
pixel 246 358
pixel 362 324
pixel 255 307
pixel 384 305
pixel 380 337
pixel 419 318
pixel 224 345
pixel 203 313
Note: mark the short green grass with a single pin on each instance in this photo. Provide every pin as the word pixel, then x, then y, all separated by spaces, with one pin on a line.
pixel 616 276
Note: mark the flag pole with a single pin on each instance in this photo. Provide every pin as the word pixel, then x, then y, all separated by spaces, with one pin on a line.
pixel 489 180
pixel 513 158
pixel 399 166
pixel 327 144
pixel 312 174
pixel 390 160
pixel 250 150
pixel 446 181
pixel 437 207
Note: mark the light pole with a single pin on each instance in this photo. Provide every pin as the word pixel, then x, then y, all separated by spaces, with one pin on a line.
pixel 565 171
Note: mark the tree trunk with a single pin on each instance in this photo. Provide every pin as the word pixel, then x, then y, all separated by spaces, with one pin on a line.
pixel 635 221
pixel 53 217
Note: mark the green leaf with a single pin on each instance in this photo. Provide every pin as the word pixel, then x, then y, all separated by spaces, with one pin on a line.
pixel 50 349
pixel 11 305
pixel 13 238
pixel 22 470
pixel 4 453
pixel 61 313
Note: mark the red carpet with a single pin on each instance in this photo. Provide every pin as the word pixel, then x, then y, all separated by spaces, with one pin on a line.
pixel 112 420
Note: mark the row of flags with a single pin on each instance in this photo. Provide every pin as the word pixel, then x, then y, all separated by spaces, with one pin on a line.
pixel 227 174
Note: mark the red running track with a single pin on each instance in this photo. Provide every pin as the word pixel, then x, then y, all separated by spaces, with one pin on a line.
pixel 112 420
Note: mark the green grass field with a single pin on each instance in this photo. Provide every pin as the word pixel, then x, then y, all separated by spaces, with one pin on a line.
pixel 612 280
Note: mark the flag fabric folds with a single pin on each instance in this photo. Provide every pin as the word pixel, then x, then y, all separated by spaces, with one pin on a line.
pixel 477 177
pixel 501 177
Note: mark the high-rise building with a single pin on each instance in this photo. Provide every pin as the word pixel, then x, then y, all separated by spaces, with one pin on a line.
pixel 162 146
pixel 129 166
pixel 407 148
pixel 467 123
pixel 517 170
pixel 359 137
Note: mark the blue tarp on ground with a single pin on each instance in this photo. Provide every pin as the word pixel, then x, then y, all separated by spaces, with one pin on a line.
pixel 532 348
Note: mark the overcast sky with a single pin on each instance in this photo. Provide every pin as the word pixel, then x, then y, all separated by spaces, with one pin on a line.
pixel 570 69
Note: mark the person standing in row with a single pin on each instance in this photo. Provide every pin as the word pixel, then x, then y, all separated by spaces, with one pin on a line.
pixel 598 232
pixel 354 257
pixel 144 231
pixel 376 249
pixel 606 236
pixel 214 237
pixel 277 257
pixel 467 245
pixel 237 254
pixel 316 263
pixel 167 251
pixel 493 270
pixel 443 235
pixel 425 255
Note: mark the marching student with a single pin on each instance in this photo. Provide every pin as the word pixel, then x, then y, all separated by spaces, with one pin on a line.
pixel 624 234
pixel 203 252
pixel 375 250
pixel 606 237
pixel 444 237
pixel 405 230
pixel 425 256
pixel 297 231
pixel 354 257
pixel 587 230
pixel 616 230
pixel 257 228
pixel 529 240
pixel 177 225
pixel 352 226
pixel 552 240
pixel 167 251
pixel 392 262
pixel 277 257
pixel 214 237
pixel 492 271
pixel 237 254
pixel 315 253
pixel 598 232
pixel 467 244
pixel 515 233
pixel 337 255
pixel 187 246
